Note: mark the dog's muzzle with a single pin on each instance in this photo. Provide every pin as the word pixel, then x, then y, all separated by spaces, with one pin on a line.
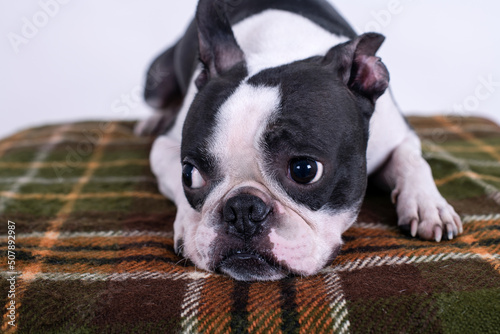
pixel 246 254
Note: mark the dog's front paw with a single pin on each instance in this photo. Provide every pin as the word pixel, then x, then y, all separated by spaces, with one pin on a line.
pixel 426 214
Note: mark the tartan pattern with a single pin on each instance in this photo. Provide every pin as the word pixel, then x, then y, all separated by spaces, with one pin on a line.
pixel 94 247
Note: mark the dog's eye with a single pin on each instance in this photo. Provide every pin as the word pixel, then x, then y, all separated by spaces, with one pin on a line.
pixel 192 177
pixel 305 170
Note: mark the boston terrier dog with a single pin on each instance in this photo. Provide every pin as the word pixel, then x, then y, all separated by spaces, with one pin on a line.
pixel 270 116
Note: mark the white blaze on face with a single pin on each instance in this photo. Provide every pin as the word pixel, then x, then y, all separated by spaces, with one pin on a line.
pixel 241 122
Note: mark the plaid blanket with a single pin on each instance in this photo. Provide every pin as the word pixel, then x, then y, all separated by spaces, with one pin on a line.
pixel 87 247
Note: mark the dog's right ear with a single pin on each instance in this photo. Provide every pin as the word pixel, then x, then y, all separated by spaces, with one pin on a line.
pixel 358 67
pixel 219 51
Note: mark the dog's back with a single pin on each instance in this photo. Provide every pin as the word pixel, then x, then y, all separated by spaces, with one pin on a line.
pixel 170 73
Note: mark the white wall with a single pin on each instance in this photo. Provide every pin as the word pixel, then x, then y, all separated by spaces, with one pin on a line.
pixel 88 58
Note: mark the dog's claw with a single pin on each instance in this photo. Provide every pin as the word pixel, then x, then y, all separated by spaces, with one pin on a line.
pixel 452 231
pixel 414 227
pixel 458 223
pixel 394 196
pixel 438 233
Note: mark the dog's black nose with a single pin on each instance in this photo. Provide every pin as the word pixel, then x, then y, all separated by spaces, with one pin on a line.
pixel 245 214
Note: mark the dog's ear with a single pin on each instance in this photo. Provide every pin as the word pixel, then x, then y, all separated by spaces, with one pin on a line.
pixel 219 51
pixel 358 67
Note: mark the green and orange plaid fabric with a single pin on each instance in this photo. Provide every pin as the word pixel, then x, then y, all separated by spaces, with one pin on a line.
pixel 93 249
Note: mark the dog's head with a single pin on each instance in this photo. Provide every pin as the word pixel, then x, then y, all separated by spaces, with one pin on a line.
pixel 274 165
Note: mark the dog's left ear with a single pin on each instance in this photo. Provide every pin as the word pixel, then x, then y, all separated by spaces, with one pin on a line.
pixel 219 51
pixel 359 68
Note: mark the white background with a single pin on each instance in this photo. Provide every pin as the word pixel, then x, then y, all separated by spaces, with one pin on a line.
pixel 88 58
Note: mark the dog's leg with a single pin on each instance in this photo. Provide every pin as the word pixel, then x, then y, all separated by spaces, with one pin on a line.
pixel 420 207
pixel 395 157
pixel 163 93
pixel 165 160
pixel 166 165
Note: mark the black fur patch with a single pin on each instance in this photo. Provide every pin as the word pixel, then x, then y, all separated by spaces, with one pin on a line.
pixel 322 119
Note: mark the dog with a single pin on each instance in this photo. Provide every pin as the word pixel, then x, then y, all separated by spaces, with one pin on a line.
pixel 271 114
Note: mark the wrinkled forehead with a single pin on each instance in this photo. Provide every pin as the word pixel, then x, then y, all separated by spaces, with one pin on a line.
pixel 229 113
pixel 241 122
pixel 310 91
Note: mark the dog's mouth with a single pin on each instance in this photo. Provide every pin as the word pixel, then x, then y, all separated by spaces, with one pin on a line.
pixel 245 265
